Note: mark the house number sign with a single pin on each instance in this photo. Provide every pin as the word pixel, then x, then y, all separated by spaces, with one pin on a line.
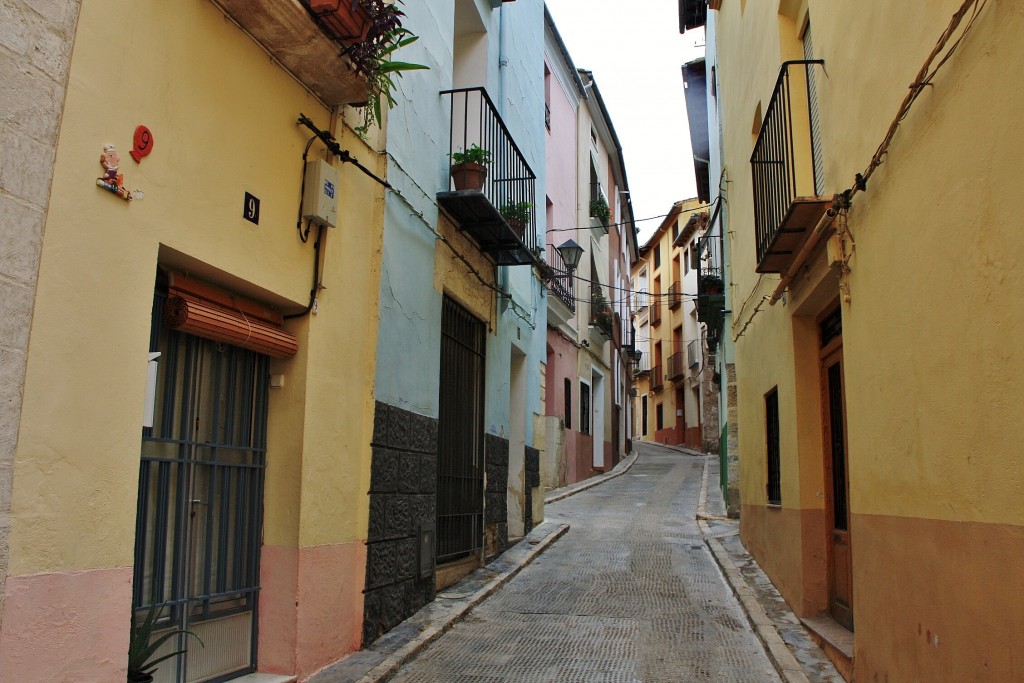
pixel 251 210
pixel 143 143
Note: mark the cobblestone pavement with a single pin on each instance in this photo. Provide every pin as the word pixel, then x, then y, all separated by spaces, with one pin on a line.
pixel 630 593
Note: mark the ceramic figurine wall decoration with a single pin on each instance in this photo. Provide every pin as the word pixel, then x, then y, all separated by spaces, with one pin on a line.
pixel 112 179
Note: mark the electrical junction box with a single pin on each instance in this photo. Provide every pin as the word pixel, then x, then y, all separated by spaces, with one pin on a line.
pixel 320 200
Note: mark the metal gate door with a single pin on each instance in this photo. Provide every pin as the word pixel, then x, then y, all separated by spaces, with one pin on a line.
pixel 460 447
pixel 199 520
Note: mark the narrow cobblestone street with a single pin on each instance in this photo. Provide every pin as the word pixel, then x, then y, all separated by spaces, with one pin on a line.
pixel 630 593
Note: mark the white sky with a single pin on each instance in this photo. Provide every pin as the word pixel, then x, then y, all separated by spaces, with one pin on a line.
pixel 636 53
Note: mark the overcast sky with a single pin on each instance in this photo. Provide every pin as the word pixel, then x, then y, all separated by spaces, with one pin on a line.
pixel 636 53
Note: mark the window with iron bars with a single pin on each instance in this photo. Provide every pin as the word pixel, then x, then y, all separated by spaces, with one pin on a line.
pixel 771 415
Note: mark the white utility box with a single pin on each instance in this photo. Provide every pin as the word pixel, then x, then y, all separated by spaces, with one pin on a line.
pixel 320 200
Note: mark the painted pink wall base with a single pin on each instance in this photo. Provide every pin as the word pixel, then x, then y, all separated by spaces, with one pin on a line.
pixel 66 626
pixel 311 606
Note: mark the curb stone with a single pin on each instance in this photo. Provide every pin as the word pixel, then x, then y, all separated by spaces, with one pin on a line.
pixel 785 663
pixel 558 494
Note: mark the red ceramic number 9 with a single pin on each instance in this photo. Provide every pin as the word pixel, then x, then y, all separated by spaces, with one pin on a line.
pixel 143 143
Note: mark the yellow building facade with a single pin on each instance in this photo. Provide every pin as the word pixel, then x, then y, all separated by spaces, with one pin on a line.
pixel 877 372
pixel 255 470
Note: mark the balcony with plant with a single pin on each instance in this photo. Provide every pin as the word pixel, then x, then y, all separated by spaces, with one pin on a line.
pixel 602 318
pixel 599 210
pixel 341 50
pixel 711 284
pixel 491 192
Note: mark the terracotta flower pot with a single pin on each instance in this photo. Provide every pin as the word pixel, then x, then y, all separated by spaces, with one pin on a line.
pixel 518 226
pixel 347 18
pixel 468 176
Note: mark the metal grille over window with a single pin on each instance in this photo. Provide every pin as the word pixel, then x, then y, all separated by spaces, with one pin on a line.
pixel 835 410
pixel 771 415
pixel 584 409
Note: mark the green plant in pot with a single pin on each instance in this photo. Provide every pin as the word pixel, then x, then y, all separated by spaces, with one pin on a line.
pixel 517 215
pixel 371 58
pixel 469 167
pixel 711 284
pixel 599 209
pixel 142 648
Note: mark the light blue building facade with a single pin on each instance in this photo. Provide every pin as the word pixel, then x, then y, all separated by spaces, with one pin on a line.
pixel 461 338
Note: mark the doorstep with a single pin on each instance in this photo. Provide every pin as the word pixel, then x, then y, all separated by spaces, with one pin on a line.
pixel 835 640
pixel 265 678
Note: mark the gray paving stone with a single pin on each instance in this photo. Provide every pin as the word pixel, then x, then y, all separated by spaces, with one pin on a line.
pixel 631 593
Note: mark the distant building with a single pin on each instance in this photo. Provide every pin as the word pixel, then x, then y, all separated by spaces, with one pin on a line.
pixel 675 401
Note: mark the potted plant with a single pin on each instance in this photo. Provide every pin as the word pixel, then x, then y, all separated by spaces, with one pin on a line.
pixel 469 168
pixel 371 56
pixel 711 284
pixel 141 664
pixel 517 215
pixel 599 209
pixel 348 19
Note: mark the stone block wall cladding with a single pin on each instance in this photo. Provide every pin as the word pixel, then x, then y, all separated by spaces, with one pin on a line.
pixel 35 52
pixel 403 496
pixel 532 468
pixel 709 400
pixel 496 495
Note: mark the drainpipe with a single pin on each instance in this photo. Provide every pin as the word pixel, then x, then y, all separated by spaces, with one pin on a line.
pixel 502 58
pixel 502 274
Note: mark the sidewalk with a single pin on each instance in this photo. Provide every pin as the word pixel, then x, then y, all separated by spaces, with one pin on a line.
pixel 796 657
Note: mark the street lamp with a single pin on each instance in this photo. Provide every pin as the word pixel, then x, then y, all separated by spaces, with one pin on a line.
pixel 570 253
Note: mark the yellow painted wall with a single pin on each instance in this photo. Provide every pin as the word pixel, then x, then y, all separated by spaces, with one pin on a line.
pixel 223 120
pixel 935 253
pixel 933 369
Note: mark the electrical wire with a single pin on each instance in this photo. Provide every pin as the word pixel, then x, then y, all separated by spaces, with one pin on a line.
pixel 316 276
pixel 635 220
pixel 303 234
pixel 924 78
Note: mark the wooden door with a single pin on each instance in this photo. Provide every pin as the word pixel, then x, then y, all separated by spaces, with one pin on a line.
pixel 837 513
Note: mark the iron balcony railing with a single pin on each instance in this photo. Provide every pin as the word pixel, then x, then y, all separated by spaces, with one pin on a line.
pixel 675 295
pixel 655 309
pixel 711 280
pixel 676 365
pixel 601 316
pixel 693 353
pixel 782 164
pixel 642 363
pixel 657 378
pixel 501 213
pixel 561 284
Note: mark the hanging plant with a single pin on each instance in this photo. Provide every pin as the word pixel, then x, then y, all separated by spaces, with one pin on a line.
pixel 371 59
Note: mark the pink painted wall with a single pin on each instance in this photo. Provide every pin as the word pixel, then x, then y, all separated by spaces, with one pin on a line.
pixel 561 162
pixel 562 365
pixel 582 464
pixel 67 626
pixel 311 606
